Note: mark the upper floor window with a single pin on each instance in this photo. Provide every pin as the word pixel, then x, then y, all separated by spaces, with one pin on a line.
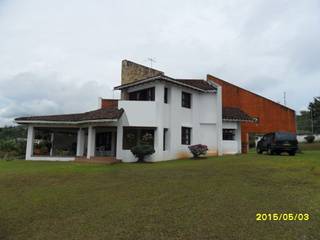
pixel 142 95
pixel 185 136
pixel 186 100
pixel 165 97
pixel 229 134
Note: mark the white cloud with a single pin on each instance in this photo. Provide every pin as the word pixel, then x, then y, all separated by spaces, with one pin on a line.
pixel 73 48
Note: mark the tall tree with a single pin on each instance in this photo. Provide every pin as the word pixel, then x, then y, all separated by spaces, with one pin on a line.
pixel 314 108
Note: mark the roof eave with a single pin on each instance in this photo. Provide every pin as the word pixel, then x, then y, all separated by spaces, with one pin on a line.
pixel 65 122
pixel 166 78
pixel 237 120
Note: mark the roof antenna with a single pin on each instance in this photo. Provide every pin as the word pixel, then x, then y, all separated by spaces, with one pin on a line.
pixel 285 98
pixel 151 60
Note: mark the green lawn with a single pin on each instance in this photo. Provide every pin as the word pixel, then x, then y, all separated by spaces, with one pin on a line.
pixel 310 146
pixel 215 198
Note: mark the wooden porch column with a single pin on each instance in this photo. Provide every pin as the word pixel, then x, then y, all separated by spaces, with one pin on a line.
pixel 29 149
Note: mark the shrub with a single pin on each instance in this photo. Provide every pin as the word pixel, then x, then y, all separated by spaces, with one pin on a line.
pixel 141 151
pixel 8 145
pixel 198 150
pixel 309 138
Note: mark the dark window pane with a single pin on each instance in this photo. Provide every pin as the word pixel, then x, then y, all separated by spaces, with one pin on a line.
pixel 165 95
pixel 146 136
pixel 133 136
pixel 185 136
pixel 130 138
pixel 142 95
pixel 229 134
pixel 186 100
pixel 165 133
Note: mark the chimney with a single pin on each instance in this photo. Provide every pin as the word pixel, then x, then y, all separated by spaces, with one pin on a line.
pixel 131 72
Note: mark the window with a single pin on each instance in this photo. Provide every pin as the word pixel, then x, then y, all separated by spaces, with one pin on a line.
pixel 185 136
pixel 142 95
pixel 186 100
pixel 229 134
pixel 165 139
pixel 133 136
pixel 61 142
pixel 165 95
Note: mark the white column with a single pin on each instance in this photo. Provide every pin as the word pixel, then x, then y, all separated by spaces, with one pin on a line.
pixel 80 142
pixel 51 140
pixel 219 120
pixel 91 142
pixel 238 136
pixel 119 133
pixel 29 149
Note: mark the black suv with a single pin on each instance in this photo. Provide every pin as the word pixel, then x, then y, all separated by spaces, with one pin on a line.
pixel 278 142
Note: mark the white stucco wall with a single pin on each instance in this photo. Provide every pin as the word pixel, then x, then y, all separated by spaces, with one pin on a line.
pixel 232 146
pixel 202 118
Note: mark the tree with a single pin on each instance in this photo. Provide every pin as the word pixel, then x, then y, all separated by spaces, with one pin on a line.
pixel 314 108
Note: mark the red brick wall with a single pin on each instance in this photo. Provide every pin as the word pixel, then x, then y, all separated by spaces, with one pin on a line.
pixel 272 116
pixel 109 103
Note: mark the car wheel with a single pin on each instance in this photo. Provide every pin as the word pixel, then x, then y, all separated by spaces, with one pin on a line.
pixel 259 151
pixel 292 153
pixel 270 152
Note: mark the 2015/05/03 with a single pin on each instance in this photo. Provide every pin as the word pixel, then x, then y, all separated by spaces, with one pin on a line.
pixel 282 217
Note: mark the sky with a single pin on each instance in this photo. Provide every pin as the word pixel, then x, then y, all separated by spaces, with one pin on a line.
pixel 60 56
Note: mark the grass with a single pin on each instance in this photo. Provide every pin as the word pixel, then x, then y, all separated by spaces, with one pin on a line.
pixel 214 198
pixel 310 146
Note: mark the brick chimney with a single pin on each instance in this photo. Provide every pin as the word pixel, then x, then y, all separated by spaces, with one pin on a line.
pixel 131 72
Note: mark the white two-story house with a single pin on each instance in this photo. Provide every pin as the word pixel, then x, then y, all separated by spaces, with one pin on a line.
pixel 169 114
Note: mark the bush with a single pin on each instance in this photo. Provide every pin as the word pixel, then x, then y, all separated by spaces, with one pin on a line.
pixel 309 138
pixel 198 150
pixel 141 151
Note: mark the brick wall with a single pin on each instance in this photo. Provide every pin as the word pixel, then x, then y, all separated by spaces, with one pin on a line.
pixel 272 116
pixel 131 72
pixel 109 103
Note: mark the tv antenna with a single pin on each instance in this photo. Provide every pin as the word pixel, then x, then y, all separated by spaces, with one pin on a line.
pixel 151 60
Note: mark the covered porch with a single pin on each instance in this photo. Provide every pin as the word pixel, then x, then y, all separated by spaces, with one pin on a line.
pixel 70 143
pixel 83 136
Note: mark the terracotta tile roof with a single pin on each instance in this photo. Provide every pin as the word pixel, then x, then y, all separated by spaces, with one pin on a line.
pixel 236 114
pixel 197 84
pixel 99 114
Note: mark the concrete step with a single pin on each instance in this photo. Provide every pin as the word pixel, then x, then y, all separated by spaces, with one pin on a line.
pixel 103 160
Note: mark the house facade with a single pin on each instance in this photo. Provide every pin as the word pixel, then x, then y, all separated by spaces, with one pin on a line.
pixel 169 114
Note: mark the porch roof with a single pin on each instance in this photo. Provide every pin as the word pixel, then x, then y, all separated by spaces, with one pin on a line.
pixel 98 115
pixel 236 114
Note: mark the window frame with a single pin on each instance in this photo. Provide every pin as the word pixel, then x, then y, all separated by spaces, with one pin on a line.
pixel 165 139
pixel 165 95
pixel 229 134
pixel 135 95
pixel 186 102
pixel 186 135
pixel 137 131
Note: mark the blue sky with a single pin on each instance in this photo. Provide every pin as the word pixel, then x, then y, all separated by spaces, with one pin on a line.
pixel 60 56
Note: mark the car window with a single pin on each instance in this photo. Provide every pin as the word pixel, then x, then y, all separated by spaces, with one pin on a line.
pixel 282 136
